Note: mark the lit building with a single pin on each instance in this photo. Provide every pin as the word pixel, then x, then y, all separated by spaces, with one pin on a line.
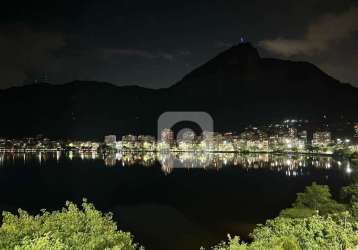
pixel 146 143
pixel 208 135
pixel 247 135
pixel 129 138
pixel 110 140
pixel 302 135
pixel 2 144
pixel 292 132
pixel 207 142
pixel 167 136
pixel 187 136
pixel 129 142
pixel 355 127
pixel 321 138
pixel 186 140
pixel 119 145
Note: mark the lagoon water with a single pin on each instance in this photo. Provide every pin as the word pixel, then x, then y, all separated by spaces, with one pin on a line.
pixel 180 201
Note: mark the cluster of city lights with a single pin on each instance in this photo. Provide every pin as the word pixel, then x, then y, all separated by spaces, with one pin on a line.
pixel 279 138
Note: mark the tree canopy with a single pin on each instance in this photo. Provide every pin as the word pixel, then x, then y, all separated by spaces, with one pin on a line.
pixel 349 195
pixel 71 228
pixel 315 221
pixel 312 233
pixel 316 199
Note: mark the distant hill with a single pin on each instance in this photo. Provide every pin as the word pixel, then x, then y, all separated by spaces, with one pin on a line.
pixel 237 88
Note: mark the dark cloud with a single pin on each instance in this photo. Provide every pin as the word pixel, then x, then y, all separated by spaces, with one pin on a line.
pixel 145 53
pixel 222 44
pixel 320 36
pixel 340 62
pixel 329 42
pixel 139 53
pixel 25 51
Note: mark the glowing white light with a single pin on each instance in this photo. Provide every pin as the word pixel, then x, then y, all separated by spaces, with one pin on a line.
pixel 70 155
pixel 348 170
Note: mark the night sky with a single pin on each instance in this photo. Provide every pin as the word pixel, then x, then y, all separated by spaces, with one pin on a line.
pixel 155 43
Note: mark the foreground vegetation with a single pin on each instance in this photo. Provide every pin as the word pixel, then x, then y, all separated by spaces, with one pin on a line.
pixel 72 228
pixel 315 221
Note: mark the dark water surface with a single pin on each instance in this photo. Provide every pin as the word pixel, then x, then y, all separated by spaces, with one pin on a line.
pixel 164 204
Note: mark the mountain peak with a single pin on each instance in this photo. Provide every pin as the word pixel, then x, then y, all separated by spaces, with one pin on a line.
pixel 242 53
pixel 245 46
pixel 241 58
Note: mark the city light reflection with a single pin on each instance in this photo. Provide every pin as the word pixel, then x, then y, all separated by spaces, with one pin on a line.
pixel 291 165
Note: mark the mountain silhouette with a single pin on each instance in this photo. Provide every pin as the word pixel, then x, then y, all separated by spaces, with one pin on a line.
pixel 236 88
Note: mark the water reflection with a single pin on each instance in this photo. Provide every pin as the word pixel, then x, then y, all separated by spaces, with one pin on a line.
pixel 291 165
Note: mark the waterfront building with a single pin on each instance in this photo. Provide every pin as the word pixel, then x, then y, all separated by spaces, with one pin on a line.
pixel 321 138
pixel 302 135
pixel 187 136
pixel 2 144
pixel 186 140
pixel 355 127
pixel 129 142
pixel 167 136
pixel 207 141
pixel 146 143
pixel 110 140
pixel 292 132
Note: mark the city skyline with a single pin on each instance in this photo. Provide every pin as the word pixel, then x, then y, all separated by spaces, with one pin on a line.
pixel 289 136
